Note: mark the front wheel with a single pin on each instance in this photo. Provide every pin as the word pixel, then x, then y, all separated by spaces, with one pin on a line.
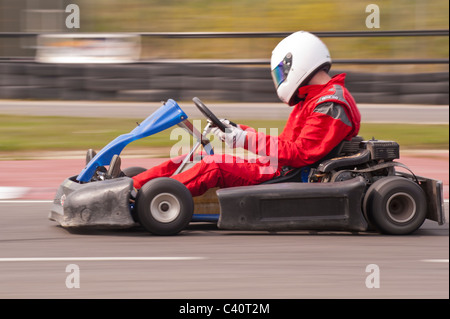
pixel 395 205
pixel 164 206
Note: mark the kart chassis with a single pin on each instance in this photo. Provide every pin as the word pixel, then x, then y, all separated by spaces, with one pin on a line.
pixel 342 192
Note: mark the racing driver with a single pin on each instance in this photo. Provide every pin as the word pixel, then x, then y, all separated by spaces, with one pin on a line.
pixel 323 115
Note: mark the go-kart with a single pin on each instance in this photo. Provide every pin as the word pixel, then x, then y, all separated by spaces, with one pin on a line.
pixel 358 187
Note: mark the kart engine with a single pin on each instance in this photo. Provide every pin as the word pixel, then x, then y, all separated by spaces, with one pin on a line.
pixel 372 160
pixel 382 150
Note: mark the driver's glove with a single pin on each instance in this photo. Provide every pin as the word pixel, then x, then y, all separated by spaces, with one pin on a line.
pixel 233 136
pixel 229 123
pixel 224 121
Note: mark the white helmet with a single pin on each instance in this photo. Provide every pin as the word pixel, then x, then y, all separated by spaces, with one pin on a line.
pixel 294 62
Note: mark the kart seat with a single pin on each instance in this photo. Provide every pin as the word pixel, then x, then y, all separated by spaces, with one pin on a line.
pixel 344 154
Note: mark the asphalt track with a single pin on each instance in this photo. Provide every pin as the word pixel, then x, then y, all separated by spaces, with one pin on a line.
pixel 203 262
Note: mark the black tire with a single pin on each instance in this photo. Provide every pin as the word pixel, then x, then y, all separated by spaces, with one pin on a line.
pixel 164 206
pixel 395 205
pixel 133 171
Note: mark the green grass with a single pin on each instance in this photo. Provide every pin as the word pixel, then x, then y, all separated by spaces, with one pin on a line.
pixel 273 15
pixel 38 133
pixel 409 136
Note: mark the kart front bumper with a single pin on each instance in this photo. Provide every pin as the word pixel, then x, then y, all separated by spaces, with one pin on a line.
pixel 102 204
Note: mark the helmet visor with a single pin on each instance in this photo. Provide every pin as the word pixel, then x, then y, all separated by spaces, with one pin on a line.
pixel 281 71
pixel 278 74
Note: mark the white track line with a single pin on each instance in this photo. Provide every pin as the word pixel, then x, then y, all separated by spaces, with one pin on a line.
pixel 435 260
pixel 7 192
pixel 25 201
pixel 27 259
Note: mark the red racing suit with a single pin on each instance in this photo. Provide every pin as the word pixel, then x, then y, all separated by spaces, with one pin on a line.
pixel 327 115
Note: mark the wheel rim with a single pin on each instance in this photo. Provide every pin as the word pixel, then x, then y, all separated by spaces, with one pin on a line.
pixel 401 207
pixel 165 207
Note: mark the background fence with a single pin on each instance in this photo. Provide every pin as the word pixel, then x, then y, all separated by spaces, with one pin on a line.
pixel 234 80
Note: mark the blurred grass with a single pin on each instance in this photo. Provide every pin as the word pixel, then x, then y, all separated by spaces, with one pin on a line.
pixel 274 15
pixel 258 15
pixel 38 133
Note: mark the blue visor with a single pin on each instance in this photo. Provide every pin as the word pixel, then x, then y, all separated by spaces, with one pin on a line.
pixel 281 71
pixel 278 74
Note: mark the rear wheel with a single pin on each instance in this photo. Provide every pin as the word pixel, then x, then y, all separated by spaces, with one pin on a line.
pixel 164 206
pixel 395 205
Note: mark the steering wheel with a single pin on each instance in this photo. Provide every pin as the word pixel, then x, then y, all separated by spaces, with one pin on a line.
pixel 208 114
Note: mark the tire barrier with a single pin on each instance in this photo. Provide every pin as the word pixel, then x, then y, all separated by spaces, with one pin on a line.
pixel 213 82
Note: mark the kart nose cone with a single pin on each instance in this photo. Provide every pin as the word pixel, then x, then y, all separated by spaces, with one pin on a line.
pixel 101 204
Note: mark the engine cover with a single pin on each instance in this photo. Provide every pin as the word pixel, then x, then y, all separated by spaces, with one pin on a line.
pixel 382 150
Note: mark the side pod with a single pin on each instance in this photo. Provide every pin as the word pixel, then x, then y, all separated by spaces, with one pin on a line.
pixel 294 206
